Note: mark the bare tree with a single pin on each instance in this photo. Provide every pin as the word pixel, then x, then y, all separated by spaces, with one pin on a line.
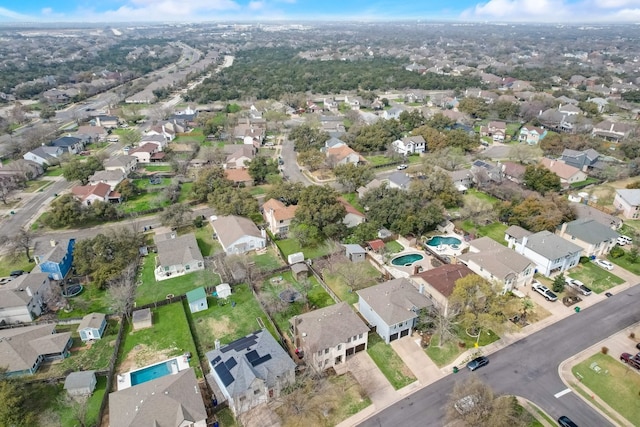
pixel 355 275
pixel 22 241
pixel 242 268
pixel 121 291
pixel 78 406
pixel 524 153
pixel 8 184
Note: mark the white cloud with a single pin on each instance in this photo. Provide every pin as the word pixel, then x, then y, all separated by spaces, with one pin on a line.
pixel 46 11
pixel 616 3
pixel 554 11
pixel 256 5
pixel 6 13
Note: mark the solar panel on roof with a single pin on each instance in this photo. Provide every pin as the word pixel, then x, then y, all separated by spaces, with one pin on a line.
pixel 230 363
pixel 252 355
pixel 260 361
pixel 224 374
pixel 241 344
pixel 216 360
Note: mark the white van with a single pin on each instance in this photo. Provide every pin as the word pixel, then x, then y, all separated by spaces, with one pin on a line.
pixel 624 240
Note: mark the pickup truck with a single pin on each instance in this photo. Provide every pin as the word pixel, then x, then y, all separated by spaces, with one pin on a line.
pixel 577 285
pixel 630 360
pixel 544 291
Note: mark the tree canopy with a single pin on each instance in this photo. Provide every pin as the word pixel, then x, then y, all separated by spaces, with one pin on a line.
pixel 537 213
pixel 541 179
pixel 319 209
pixel 81 169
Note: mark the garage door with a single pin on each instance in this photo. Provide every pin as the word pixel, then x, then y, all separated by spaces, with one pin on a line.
pixel 404 333
pixel 360 347
pixel 349 351
pixel 393 337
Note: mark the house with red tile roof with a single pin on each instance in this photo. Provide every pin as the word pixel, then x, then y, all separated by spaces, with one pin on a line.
pixel 342 155
pixel 239 176
pixel 438 283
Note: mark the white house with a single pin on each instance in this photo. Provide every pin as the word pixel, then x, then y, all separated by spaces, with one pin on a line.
pixel 567 173
pixel 278 216
pixel 177 255
pixel 409 145
pixel 145 152
pixel 628 202
pixel 22 299
pixel 549 252
pixel 238 235
pixel 44 155
pixel 353 217
pixel 110 177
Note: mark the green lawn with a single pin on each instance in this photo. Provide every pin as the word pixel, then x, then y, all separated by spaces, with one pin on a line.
pixel 584 183
pixel 150 290
pixel 157 168
pixel 91 299
pixel 145 202
pixel 389 363
pixel 378 160
pixel 495 230
pixel 626 263
pixel 225 418
pixel 595 278
pixel 199 138
pixel 354 201
pixel 291 246
pixel 267 261
pixel 512 128
pixel 226 322
pixel 170 333
pixel 204 236
pixel 615 384
pixel 33 186
pixel 53 171
pixel 342 289
pixel 257 190
pixel 393 247
pixel 472 192
pixel 185 192
pixel 9 264
pixel 144 184
pixel 447 353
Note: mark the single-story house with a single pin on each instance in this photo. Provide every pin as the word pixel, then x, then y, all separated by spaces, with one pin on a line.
pixel 568 174
pixel 102 192
pixel 142 319
pixel 342 155
pixel 92 326
pixel 145 152
pixel 110 177
pixel 392 307
pixel 278 216
pixel 24 349
pixel 374 183
pixel 197 300
pixel 497 263
pixel 355 253
pixel 596 239
pixel 44 155
pixel 514 172
pixel 177 255
pixel 589 212
pixel 174 400
pixel 154 138
pixel 583 160
pixel 328 336
pixel 107 122
pixel 353 216
pixel 627 201
pixel 612 131
pixel 239 177
pixel 438 283
pixel 93 133
pixel 56 262
pixel 125 163
pixel 251 370
pixel 238 235
pixel 23 298
pixel 549 252
pixel 462 179
pixel 240 157
pixel 80 383
pixel 399 179
pixel 22 169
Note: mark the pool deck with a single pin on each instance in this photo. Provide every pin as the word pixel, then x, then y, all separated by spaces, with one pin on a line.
pixel 124 380
pixel 447 250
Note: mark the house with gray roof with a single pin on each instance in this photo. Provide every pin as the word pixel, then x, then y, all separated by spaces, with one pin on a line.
pixel 399 180
pixel 251 370
pixel 329 335
pixel 589 212
pixel 69 144
pixel 23 350
pixel 373 184
pixel 126 164
pixel 499 264
pixel 355 253
pixel 627 201
pixel 392 307
pixel 595 238
pixel 169 401
pixel 44 155
pixel 81 383
pixel 549 252
pixel 177 255
pixel 238 235
pixel 110 177
pixel 583 160
pixel 409 145
pixel 22 299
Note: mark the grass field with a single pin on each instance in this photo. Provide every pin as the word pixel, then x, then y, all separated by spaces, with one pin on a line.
pixel 615 384
pixel 37 185
pixel 495 230
pixel 267 261
pixel 626 263
pixel 445 354
pixel 185 192
pixel 472 192
pixel 144 184
pixel 53 171
pixel 354 201
pixel 145 202
pixel 389 362
pixel 338 285
pixel 393 247
pixel 291 246
pixel 595 278
pixel 91 299
pixel 157 168
pixel 378 160
pixel 204 236
pixel 10 263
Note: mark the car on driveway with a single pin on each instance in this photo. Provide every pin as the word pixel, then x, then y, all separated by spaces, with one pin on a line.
pixel 16 273
pixel 544 291
pixel 577 285
pixel 402 167
pixel 604 264
pixel 630 360
pixel 478 362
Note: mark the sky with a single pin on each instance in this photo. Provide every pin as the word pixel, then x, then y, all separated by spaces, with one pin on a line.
pixel 545 11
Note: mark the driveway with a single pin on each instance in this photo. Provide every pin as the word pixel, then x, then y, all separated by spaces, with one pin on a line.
pixel 409 350
pixel 371 379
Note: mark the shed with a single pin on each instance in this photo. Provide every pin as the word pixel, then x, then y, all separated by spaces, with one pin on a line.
pixel 355 253
pixel 300 270
pixel 92 326
pixel 295 258
pixel 81 383
pixel 376 245
pixel 197 300
pixel 223 290
pixel 142 319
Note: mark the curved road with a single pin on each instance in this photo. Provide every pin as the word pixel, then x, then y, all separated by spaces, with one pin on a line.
pixel 527 368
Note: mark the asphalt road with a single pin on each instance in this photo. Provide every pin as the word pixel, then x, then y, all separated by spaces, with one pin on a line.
pixel 528 368
pixel 290 169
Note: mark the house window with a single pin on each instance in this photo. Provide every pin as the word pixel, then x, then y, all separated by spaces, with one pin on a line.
pixel 166 268
pixel 199 264
pixel 320 353
pixel 360 336
pixel 326 351
pixel 339 347
pixel 349 339
pixel 187 267
pixel 242 398
pixel 256 392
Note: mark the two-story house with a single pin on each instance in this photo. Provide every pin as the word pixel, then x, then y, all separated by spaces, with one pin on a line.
pixel 409 145
pixel 627 201
pixel 612 131
pixel 56 262
pixel 495 129
pixel 147 153
pixel 568 174
pixel 23 298
pixel 110 177
pixel 532 135
pixel 278 216
pixel 177 255
pixel 126 164
pixel 594 238
pixel 69 144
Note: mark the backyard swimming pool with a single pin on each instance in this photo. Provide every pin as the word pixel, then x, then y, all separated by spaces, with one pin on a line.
pixel 444 240
pixel 153 372
pixel 406 260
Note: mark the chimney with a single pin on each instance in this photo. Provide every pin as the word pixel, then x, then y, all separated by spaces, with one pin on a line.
pixel 563 229
pixel 173 234
pixel 217 344
pixel 611 128
pixel 525 239
pixel 52 243
pixel 28 289
pixel 421 290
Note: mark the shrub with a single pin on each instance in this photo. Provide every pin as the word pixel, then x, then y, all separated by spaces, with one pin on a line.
pixel 616 252
pixel 604 350
pixel 584 260
pixel 632 335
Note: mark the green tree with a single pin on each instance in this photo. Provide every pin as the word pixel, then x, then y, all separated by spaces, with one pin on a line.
pixel 436 139
pixel 261 167
pixel 307 138
pixel 506 110
pixel 312 159
pixel 127 189
pixel 209 180
pixel 460 139
pixel 440 122
pixel 175 215
pixel 558 283
pixel 234 201
pixel 352 176
pixel 541 179
pixel 475 107
pixel 81 170
pixel 287 192
pixel 537 213
pixel 14 410
pixel 410 120
pixel 362 233
pixel 319 207
pixel 65 210
pixel 47 112
pixel 103 211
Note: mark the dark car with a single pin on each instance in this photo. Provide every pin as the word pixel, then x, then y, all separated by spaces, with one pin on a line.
pixel 16 273
pixel 565 421
pixel 478 362
pixel 638 346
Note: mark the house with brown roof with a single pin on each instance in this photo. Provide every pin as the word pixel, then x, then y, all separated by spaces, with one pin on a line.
pixel 612 131
pixel 110 177
pixel 438 283
pixel 329 335
pixel 238 235
pixel 145 152
pixel 239 177
pixel 126 164
pixel 177 255
pixel 171 400
pixel 513 171
pixel 93 133
pixel 498 263
pixel 278 216
pixel 495 129
pixel 353 216
pixel 24 349
pixel 342 155
pixel 22 299
pixel 240 157
pixel 392 307
pixel 568 174
pixel 88 194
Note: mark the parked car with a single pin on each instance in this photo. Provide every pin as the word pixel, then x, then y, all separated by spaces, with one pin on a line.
pixel 478 362
pixel 624 240
pixel 565 421
pixel 544 291
pixel 16 273
pixel 577 285
pixel 630 360
pixel 402 167
pixel 604 264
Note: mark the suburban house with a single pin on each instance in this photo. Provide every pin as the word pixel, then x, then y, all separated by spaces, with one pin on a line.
pixel 532 134
pixel 69 144
pixel 392 307
pixel 251 370
pixel 278 216
pixel 342 155
pixel 147 153
pixel 56 262
pixel 21 169
pixel 110 177
pixel 327 336
pixel 593 237
pixel 392 113
pixel 241 157
pixel 568 174
pixel 333 142
pixel 197 300
pixel 462 179
pixel 159 140
pixel 92 326
pixel 374 183
pixel 549 252
pixel 23 298
pixel 399 179
pixel 24 349
pixel 238 235
pixel 589 212
pixel 353 216
pixel 102 192
pixel 80 383
pixel 239 177
pixel 177 255
pixel 93 133
pixel 108 122
pixel 409 145
pixel 438 283
pixel 251 132
pixel 486 171
pixel 44 155
pixel 126 164
pixel 514 172
pixel 355 253
pixel 583 160
pixel 496 130
pixel 173 400
pixel 627 201
pixel 497 263
pixel 612 131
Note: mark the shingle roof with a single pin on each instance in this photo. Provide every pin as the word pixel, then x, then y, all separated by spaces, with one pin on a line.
pixel 400 179
pixel 443 278
pixel 231 228
pixel 119 161
pixel 551 246
pixel 328 326
pixel 631 196
pixel 107 175
pixel 495 258
pixel 590 231
pixel 57 253
pixel 178 251
pixel 517 232
pixel 354 249
pixel 14 294
pixel 92 321
pixel 394 300
pixel 280 211
pixel 20 347
pixel 169 401
pixel 561 169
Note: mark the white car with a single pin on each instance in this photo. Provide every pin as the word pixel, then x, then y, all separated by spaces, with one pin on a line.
pixel 402 167
pixel 544 291
pixel 604 264
pixel 577 285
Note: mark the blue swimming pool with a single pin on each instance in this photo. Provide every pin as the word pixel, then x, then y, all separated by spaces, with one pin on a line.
pixel 406 260
pixel 443 240
pixel 152 372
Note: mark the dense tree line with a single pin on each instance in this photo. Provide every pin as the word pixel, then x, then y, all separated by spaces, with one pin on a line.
pixel 272 73
pixel 212 186
pixel 537 213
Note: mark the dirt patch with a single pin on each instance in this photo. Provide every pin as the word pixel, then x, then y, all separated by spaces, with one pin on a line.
pixel 219 327
pixel 143 355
